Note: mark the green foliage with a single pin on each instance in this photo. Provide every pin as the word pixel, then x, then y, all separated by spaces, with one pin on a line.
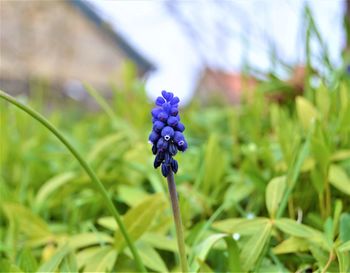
pixel 263 187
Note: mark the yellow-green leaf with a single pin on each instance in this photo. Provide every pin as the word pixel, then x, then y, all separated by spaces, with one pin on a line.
pixel 52 264
pixel 52 185
pixel 306 112
pixel 291 245
pixel 149 257
pixel 296 229
pixel 102 261
pixel 254 247
pixel 29 223
pixel 241 226
pixel 274 194
pixel 339 179
pixel 139 218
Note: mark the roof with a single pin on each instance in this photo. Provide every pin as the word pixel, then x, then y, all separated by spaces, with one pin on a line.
pixel 120 42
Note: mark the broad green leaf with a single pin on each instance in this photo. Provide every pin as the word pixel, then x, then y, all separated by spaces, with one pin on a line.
pixel 102 261
pixel 87 239
pixel 344 227
pixel 131 195
pixel 149 257
pixel 52 264
pixel 241 226
pixel 160 241
pixel 291 245
pixel 306 112
pixel 296 229
pixel 28 223
pixel 51 186
pixel 139 218
pixel 274 194
pixel 254 247
pixel 339 179
pixel 343 260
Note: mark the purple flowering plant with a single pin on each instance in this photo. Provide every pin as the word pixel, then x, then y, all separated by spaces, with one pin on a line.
pixel 167 139
pixel 167 133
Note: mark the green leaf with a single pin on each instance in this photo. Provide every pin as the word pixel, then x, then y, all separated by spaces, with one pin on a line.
pixel 104 144
pixel 203 249
pixel 241 226
pixel 340 155
pixel 139 218
pixel 69 263
pixel 344 227
pixel 323 100
pixel 28 223
pixel 149 257
pixel 291 245
pixel 253 248
pixel 52 264
pixel 344 246
pixel 234 264
pixel 344 261
pixel 296 229
pixel 336 217
pixel 306 112
pixel 51 186
pixel 339 179
pixel 26 261
pixel 87 239
pixel 160 241
pixel 102 260
pixel 8 267
pixel 274 194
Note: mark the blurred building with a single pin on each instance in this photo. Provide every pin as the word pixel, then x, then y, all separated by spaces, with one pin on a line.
pixel 63 42
pixel 229 86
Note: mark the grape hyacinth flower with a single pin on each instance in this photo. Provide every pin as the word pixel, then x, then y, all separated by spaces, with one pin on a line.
pixel 167 134
pixel 166 139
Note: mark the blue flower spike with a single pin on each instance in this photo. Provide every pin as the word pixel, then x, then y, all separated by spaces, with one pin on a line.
pixel 166 136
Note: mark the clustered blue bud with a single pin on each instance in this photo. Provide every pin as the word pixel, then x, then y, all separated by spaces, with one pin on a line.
pixel 166 136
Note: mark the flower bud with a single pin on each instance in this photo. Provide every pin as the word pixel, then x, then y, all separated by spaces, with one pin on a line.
pixel 180 127
pixel 165 169
pixel 167 133
pixel 162 144
pixel 172 121
pixel 160 101
pixel 167 95
pixel 153 137
pixel 163 116
pixel 174 165
pixel 158 126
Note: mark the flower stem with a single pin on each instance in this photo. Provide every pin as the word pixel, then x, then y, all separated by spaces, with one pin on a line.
pixel 178 222
pixel 87 169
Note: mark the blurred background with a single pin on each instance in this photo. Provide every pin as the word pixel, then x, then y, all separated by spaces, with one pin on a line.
pixel 265 90
pixel 188 47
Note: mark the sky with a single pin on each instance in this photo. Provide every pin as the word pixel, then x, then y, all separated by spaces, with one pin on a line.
pixel 183 37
